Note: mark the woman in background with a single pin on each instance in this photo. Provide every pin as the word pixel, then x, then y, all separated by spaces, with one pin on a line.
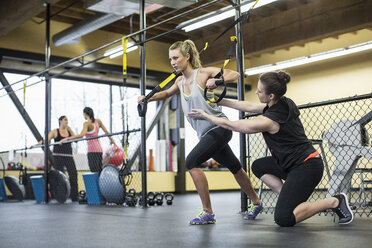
pixel 90 129
pixel 62 154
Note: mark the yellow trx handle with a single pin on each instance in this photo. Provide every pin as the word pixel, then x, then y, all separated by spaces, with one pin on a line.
pixel 124 42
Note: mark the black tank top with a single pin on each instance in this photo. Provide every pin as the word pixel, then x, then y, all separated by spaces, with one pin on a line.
pixel 64 148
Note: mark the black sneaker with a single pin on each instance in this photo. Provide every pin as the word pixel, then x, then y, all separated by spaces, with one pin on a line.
pixel 343 210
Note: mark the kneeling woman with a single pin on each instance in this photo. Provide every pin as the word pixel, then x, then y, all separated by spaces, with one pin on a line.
pixel 293 159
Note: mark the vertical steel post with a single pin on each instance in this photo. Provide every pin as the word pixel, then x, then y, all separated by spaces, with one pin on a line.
pixel 143 89
pixel 240 88
pixel 47 101
pixel 181 167
pixel 110 108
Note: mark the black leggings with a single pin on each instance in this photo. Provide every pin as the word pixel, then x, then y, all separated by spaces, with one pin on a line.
pixel 299 184
pixel 95 161
pixel 214 145
pixel 62 162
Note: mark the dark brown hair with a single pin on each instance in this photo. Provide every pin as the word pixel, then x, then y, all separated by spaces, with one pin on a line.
pixel 60 119
pixel 89 112
pixel 275 82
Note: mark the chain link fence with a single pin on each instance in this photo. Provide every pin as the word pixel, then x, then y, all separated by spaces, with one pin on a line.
pixel 96 170
pixel 340 130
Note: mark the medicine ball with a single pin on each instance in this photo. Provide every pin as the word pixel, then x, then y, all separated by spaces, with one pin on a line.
pixel 116 154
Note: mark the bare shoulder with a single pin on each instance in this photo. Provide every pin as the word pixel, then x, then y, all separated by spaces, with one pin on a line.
pixel 54 132
pixel 178 80
pixel 207 70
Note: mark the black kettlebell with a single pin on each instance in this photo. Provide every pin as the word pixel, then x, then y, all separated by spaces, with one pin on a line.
pixel 169 198
pixel 159 198
pixel 82 197
pixel 151 198
pixel 131 198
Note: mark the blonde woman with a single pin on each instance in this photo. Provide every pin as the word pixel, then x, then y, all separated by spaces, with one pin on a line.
pixel 213 140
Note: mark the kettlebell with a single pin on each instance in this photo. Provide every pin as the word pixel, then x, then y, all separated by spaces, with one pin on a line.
pixel 151 198
pixel 169 198
pixel 159 198
pixel 131 198
pixel 82 197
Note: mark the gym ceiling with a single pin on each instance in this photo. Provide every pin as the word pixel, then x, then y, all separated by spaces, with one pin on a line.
pixel 278 25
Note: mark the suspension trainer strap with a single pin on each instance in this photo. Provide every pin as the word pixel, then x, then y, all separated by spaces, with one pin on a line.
pixel 125 142
pixel 243 18
pixel 228 58
pixel 124 42
pixel 142 107
pixel 24 107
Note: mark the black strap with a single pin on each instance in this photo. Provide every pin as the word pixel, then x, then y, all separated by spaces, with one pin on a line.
pixel 220 74
pixel 142 106
pixel 242 18
pixel 218 83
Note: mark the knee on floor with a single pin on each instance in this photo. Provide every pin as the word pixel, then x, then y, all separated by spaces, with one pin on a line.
pixel 285 220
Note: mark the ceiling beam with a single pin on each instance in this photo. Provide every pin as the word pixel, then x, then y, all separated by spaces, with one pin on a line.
pixel 16 12
pixel 313 21
pixel 34 58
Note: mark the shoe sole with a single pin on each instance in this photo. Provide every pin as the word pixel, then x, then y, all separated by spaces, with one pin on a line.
pixel 348 207
pixel 204 223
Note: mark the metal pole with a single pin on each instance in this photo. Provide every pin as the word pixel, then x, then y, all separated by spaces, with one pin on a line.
pixel 240 89
pixel 110 108
pixel 20 107
pixel 181 167
pixel 47 102
pixel 143 119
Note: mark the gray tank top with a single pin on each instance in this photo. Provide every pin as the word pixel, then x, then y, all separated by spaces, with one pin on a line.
pixel 196 101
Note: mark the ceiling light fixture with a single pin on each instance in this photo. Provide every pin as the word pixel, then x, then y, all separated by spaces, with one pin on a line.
pixel 117 51
pixel 309 59
pixel 219 15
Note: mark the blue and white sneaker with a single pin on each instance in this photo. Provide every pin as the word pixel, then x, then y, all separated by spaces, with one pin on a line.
pixel 253 211
pixel 203 218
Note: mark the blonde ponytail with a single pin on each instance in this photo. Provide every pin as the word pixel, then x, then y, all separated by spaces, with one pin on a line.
pixel 188 47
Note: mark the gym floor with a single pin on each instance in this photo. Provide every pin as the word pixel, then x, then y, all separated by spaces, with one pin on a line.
pixel 28 224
